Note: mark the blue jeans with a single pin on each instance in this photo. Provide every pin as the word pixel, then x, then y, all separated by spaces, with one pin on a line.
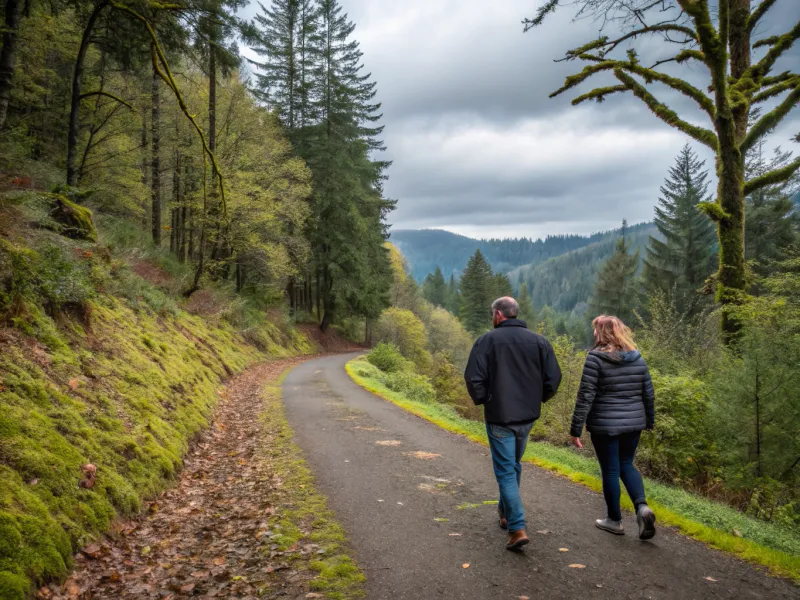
pixel 507 444
pixel 615 454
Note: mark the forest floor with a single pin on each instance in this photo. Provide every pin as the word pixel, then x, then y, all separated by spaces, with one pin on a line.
pixel 242 521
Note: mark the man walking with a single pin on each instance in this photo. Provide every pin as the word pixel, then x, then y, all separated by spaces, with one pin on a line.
pixel 511 371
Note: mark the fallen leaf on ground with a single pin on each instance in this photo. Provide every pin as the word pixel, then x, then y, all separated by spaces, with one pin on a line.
pixel 72 588
pixel 563 549
pixel 423 455
pixel 577 566
pixel 93 550
pixel 388 442
pixel 543 531
pixel 465 566
pixel 455 535
pixel 440 520
pixel 491 502
pixel 710 579
pixel 524 598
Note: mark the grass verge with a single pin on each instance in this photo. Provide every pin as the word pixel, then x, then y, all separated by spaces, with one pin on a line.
pixel 302 515
pixel 773 546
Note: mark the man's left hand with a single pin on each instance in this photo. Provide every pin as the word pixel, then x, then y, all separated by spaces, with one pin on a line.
pixel 576 441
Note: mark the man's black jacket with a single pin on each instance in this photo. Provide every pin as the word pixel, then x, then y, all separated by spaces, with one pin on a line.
pixel 511 371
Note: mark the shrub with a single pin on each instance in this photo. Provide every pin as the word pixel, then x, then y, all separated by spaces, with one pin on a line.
pixel 680 446
pixel 403 329
pixel 447 335
pixel 413 386
pixel 387 358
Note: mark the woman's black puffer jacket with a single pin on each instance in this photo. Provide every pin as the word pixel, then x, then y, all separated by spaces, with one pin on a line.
pixel 615 396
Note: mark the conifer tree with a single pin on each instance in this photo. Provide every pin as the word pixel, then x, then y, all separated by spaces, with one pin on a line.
pixel 502 286
pixel 478 287
pixel 615 291
pixel 434 288
pixel 772 224
pixel 726 41
pixel 682 262
pixel 453 295
pixel 526 310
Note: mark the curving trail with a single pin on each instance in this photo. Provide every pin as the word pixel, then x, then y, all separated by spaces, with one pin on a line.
pixel 396 483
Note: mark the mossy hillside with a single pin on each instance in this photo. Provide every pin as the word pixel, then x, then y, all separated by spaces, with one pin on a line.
pixel 96 366
pixel 772 545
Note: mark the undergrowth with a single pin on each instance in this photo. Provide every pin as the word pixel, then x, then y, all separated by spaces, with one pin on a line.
pixel 774 546
pixel 303 514
pixel 99 366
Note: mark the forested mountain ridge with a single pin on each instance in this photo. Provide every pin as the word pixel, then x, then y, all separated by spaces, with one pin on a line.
pixel 426 249
pixel 566 281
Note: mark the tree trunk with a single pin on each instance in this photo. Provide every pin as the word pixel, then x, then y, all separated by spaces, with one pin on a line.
pixel 155 134
pixel 8 54
pixel 212 145
pixel 75 102
pixel 176 202
pixel 731 126
pixel 145 169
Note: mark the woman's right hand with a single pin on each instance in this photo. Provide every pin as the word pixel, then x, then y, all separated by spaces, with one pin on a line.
pixel 576 441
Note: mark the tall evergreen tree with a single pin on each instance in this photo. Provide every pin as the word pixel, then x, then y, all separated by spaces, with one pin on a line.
pixel 502 285
pixel 453 300
pixel 682 262
pixel 347 182
pixel 434 288
pixel 772 224
pixel 614 292
pixel 478 288
pixel 526 310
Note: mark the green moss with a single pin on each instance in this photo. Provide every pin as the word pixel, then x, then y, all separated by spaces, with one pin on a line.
pixel 71 219
pixel 303 511
pixel 13 586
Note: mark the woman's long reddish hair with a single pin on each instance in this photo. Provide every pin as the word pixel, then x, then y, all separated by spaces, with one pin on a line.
pixel 611 334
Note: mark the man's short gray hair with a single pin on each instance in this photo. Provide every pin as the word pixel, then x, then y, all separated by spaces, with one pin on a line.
pixel 506 306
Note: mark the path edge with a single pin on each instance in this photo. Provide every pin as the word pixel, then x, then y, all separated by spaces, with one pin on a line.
pixel 339 575
pixel 779 564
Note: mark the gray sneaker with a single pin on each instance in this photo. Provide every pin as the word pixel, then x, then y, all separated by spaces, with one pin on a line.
pixel 646 519
pixel 607 524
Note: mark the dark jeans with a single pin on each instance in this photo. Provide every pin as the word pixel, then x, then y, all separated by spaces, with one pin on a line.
pixel 507 444
pixel 615 454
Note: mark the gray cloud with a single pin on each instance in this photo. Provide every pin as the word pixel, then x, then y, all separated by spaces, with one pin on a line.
pixel 479 148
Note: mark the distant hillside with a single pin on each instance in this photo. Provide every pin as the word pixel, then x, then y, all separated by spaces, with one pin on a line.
pixel 425 249
pixel 565 281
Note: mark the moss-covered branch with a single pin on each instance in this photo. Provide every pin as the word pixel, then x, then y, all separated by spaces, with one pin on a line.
pixel 107 95
pixel 649 75
pixel 650 29
pixel 759 12
pixel 776 90
pixel 165 73
pixel 549 7
pixel 768 122
pixel 666 114
pixel 778 46
pixel 599 94
pixel 772 177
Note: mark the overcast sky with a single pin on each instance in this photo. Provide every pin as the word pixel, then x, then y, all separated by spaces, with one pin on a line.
pixel 480 149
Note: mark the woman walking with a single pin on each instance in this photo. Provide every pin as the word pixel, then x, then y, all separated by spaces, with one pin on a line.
pixel 616 402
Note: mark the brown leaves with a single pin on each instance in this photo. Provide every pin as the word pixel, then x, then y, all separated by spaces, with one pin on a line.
pixel 422 455
pixel 213 533
pixel 577 566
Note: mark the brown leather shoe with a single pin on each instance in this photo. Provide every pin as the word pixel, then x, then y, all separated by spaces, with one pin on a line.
pixel 517 539
pixel 503 523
